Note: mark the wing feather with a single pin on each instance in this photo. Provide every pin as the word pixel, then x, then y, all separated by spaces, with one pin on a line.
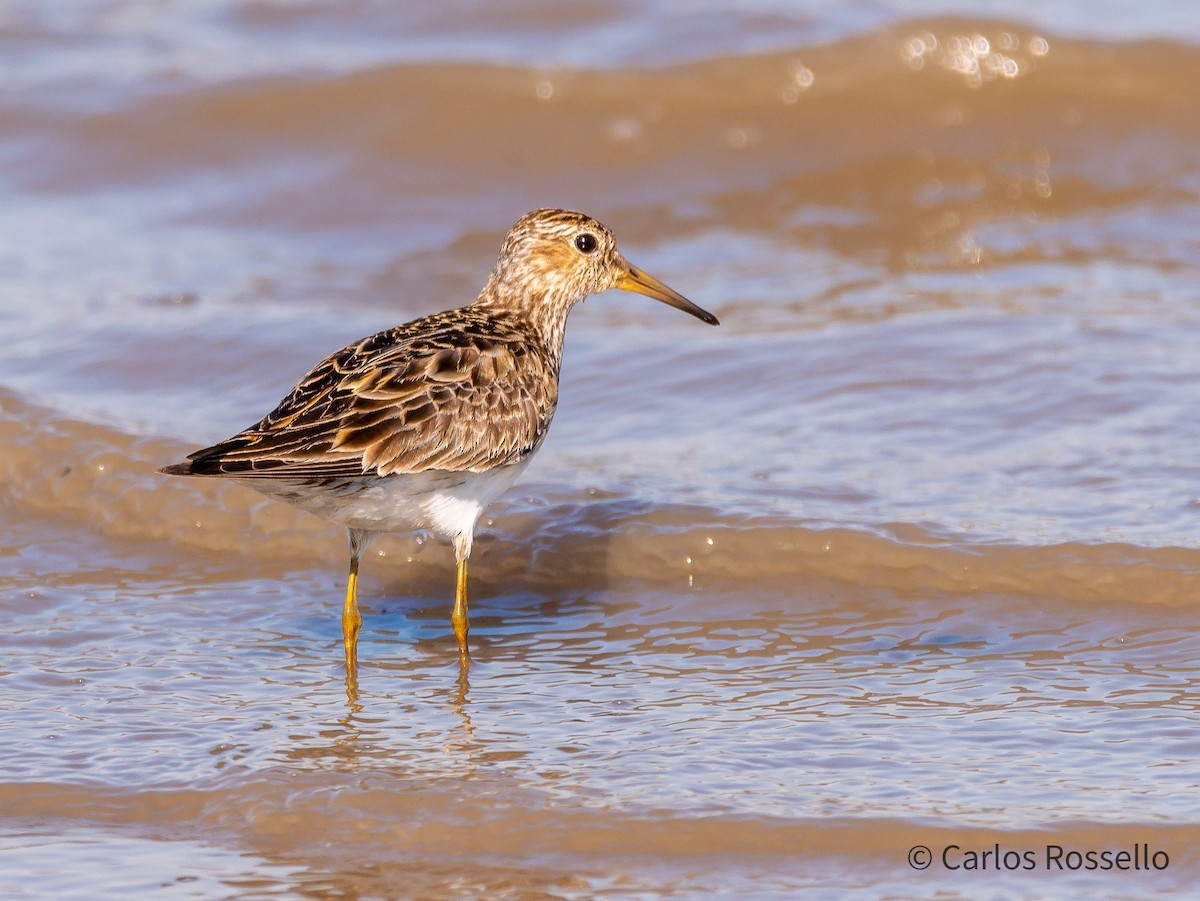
pixel 466 390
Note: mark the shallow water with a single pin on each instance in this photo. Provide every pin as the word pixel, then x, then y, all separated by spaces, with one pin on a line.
pixel 902 554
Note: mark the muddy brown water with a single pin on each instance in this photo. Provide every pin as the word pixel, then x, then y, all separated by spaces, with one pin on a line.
pixel 905 554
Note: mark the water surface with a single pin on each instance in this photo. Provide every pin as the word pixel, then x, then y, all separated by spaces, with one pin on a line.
pixel 904 553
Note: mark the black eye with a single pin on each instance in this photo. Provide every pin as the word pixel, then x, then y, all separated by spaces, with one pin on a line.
pixel 585 243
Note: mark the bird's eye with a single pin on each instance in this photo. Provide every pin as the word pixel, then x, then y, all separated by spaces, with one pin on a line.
pixel 585 243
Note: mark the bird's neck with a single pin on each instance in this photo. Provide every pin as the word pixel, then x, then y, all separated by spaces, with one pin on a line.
pixel 542 308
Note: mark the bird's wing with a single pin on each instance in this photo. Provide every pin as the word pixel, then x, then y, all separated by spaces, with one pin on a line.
pixel 449 393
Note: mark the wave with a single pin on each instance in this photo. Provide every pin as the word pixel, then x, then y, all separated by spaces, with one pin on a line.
pixel 462 806
pixel 1036 113
pixel 937 144
pixel 93 478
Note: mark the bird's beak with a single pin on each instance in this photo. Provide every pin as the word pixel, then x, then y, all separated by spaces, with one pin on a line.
pixel 640 283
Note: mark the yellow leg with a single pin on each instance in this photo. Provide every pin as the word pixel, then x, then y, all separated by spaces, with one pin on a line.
pixel 458 618
pixel 351 618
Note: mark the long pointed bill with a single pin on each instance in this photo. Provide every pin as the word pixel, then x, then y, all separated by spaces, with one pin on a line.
pixel 641 283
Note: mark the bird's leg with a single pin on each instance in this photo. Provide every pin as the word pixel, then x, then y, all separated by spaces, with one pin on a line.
pixel 351 618
pixel 459 618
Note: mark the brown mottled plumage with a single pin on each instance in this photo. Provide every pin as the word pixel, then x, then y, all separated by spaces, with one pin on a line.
pixel 466 389
pixel 423 425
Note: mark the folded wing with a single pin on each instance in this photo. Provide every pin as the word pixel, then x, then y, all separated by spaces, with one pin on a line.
pixel 458 394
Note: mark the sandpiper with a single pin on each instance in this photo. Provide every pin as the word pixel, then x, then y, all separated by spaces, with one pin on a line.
pixel 423 425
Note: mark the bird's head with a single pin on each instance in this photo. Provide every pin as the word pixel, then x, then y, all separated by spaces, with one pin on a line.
pixel 552 259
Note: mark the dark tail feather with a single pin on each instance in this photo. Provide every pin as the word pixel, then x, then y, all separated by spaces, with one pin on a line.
pixel 179 469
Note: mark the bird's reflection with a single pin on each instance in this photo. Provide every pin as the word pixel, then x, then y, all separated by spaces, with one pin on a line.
pixel 352 702
pixel 458 699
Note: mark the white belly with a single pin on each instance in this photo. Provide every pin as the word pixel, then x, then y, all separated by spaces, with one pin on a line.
pixel 448 503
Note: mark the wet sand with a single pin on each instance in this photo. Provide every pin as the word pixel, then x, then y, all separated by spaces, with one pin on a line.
pixel 903 555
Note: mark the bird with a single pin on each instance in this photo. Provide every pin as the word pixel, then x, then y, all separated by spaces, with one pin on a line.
pixel 422 426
